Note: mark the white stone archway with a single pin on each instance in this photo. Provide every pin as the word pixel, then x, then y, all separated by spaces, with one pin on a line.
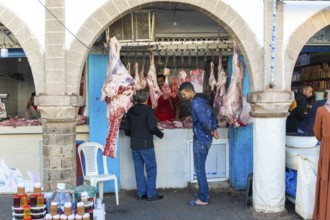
pixel 299 38
pixel 110 11
pixel 28 41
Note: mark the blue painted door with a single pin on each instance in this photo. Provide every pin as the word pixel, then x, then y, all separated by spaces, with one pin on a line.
pixel 98 122
pixel 240 143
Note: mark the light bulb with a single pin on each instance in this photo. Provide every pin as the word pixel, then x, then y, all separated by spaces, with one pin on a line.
pixel 175 23
pixel 4 52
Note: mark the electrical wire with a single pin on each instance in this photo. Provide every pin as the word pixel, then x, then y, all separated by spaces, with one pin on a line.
pixel 63 25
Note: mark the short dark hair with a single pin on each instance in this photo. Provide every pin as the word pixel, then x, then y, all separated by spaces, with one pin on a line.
pixel 186 86
pixel 33 94
pixel 141 96
pixel 161 76
pixel 306 86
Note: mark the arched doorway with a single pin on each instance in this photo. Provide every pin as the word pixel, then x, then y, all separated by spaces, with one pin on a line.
pixel 175 7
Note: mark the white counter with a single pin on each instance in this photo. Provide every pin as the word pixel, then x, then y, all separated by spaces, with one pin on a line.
pixel 20 147
pixel 172 155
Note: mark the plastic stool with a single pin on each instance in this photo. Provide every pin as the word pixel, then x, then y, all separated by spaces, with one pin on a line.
pixel 248 191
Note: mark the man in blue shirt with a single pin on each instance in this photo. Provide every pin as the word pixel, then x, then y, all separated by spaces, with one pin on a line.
pixel 306 126
pixel 204 128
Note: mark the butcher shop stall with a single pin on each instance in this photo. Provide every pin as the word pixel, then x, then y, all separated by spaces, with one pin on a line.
pixel 153 41
pixel 202 53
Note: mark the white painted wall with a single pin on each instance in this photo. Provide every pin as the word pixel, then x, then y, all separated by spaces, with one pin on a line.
pixel 295 14
pixel 252 12
pixel 16 143
pixel 77 11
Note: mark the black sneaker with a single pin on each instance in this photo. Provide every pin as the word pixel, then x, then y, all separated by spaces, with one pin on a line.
pixel 153 198
pixel 143 197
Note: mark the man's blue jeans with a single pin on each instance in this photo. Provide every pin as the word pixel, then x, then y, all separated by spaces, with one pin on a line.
pixel 147 157
pixel 200 153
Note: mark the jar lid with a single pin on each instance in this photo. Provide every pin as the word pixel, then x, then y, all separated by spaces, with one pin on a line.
pixel 37 184
pixel 80 204
pixel 48 216
pixel 71 217
pixel 84 194
pixel 61 186
pixel 21 185
pixel 64 217
pixel 53 203
pixel 68 205
pixel 86 215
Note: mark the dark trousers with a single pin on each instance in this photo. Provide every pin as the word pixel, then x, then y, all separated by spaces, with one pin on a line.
pixel 146 185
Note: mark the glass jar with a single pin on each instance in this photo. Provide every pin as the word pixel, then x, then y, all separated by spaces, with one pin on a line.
pixel 80 208
pixel 23 200
pixel 40 200
pixel 33 200
pixel 20 189
pixel 53 208
pixel 27 211
pixel 16 201
pixel 67 208
pixel 37 188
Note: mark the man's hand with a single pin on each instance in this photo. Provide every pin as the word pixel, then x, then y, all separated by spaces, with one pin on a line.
pixel 107 99
pixel 215 134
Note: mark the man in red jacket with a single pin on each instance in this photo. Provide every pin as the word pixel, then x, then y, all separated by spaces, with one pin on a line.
pixel 167 109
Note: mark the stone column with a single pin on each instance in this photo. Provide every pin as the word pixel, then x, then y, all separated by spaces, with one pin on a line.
pixel 269 112
pixel 59 115
pixel 59 151
pixel 58 112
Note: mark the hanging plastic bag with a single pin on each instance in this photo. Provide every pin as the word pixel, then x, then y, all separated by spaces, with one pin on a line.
pixel 9 178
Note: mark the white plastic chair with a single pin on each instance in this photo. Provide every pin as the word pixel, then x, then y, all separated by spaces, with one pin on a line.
pixel 91 174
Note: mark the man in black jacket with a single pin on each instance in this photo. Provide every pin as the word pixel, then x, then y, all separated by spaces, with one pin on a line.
pixel 141 125
pixel 297 114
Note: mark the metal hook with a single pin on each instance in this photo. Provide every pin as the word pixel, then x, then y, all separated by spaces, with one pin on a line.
pixel 196 56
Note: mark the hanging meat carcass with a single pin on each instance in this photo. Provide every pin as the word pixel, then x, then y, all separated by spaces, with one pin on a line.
pixel 137 81
pixel 143 81
pixel 174 87
pixel 220 92
pixel 232 101
pixel 182 77
pixel 128 67
pixel 154 90
pixel 117 91
pixel 245 117
pixel 166 89
pixel 196 77
pixel 212 81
